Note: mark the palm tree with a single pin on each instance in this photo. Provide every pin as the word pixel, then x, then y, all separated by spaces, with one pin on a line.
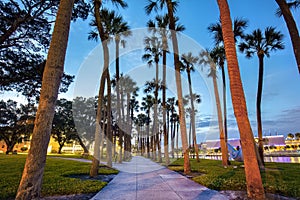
pixel 147 104
pixel 261 44
pixel 206 59
pixel 140 122
pixel 31 181
pixel 160 26
pixel 120 29
pixel 187 64
pixel 291 25
pixel 108 128
pixel 239 25
pixel 192 112
pixel 171 7
pixel 171 108
pixel 255 188
pixel 98 22
pixel 130 89
pixel 218 55
pixel 153 49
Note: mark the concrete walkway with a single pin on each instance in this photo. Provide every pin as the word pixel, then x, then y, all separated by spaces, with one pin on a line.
pixel 144 179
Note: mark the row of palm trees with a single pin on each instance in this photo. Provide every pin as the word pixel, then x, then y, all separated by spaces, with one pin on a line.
pixel 30 185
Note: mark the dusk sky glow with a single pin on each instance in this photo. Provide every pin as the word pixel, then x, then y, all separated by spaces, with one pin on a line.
pixel 281 93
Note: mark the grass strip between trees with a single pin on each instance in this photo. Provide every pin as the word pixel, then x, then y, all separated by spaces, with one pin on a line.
pixel 56 179
pixel 278 178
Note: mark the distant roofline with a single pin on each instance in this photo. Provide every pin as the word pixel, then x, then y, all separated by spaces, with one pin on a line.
pixel 229 139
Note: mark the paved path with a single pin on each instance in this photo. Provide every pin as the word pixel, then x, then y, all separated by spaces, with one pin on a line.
pixel 144 179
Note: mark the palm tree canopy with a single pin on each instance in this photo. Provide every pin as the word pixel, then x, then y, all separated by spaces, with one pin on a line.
pixel 162 22
pixel 151 85
pixel 147 103
pixel 117 3
pixel 153 47
pixel 218 55
pixel 262 43
pixel 292 5
pixel 113 24
pixel 187 100
pixel 188 61
pixel 155 5
pixel 141 119
pixel 206 59
pixel 239 25
pixel 128 85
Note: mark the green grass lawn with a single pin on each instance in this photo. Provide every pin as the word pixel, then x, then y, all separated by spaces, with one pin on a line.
pixel 279 178
pixel 56 179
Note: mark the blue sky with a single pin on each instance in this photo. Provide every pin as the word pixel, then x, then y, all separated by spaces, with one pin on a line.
pixel 281 96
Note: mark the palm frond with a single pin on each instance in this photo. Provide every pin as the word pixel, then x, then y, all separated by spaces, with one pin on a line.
pixel 93 35
pixel 292 5
pixel 151 6
pixel 120 3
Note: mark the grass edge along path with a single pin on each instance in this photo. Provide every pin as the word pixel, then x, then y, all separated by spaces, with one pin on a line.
pixel 56 181
pixel 278 178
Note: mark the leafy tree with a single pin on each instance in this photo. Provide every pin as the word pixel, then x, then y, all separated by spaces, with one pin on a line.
pixel 253 178
pixel 297 135
pixel 261 44
pixel 84 114
pixel 24 39
pixel 16 123
pixel 63 127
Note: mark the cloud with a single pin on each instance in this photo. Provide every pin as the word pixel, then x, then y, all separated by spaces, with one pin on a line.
pixel 285 122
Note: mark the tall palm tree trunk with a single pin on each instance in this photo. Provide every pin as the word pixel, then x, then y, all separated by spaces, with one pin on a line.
pixel 98 131
pixel 258 109
pixel 225 110
pixel 128 130
pixel 103 133
pixel 159 147
pixel 155 127
pixel 190 133
pixel 193 117
pixel 148 135
pixel 96 157
pixel 220 121
pixel 108 128
pixel 31 181
pixel 165 132
pixel 187 167
pixel 255 188
pixel 172 139
pixel 121 134
pixel 292 27
pixel 117 41
pixel 177 139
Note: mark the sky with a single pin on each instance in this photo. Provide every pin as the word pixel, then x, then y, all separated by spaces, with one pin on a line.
pixel 281 96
